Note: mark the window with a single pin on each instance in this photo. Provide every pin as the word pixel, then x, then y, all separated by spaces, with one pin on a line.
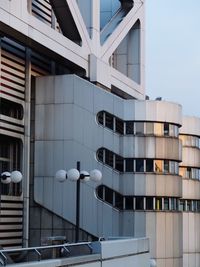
pixel 149 203
pixel 158 128
pixel 181 205
pixel 182 172
pixel 129 165
pixel 129 203
pixel 166 203
pixel 108 195
pixel 100 118
pixel 109 158
pixel 129 127
pixel 189 172
pixel 11 109
pixel 149 128
pixel 100 154
pixel 149 165
pixel 158 166
pixel 173 204
pixel 10 159
pixel 166 129
pixel 109 121
pixel 158 203
pixel 189 205
pixel 139 203
pixel 166 166
pixel 119 163
pixel 139 165
pixel 139 128
pixel 118 201
pixel 119 126
pixel 100 192
pixel 173 130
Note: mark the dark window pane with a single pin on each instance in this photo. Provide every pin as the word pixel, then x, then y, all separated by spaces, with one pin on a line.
pixel 100 154
pixel 11 109
pixel 149 165
pixel 129 127
pixel 109 121
pixel 189 205
pixel 129 165
pixel 166 203
pixel 166 166
pixel 100 117
pixel 109 157
pixel 166 129
pixel 118 201
pixel 100 192
pixel 139 203
pixel 149 203
pixel 198 205
pixel 109 195
pixel 129 203
pixel 139 165
pixel 139 128
pixel 119 163
pixel 119 126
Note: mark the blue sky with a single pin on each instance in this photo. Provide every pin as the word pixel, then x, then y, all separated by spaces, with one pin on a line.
pixel 173 52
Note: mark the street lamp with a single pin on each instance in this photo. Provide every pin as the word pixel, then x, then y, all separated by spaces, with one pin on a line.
pixel 77 175
pixel 7 177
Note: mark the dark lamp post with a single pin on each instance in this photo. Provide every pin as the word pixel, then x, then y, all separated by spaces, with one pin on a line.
pixel 77 175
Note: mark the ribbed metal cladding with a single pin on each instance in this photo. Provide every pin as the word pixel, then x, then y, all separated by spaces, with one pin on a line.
pixel 11 220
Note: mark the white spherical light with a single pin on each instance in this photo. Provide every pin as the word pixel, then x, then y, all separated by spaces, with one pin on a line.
pixel 153 263
pixel 86 176
pixel 61 175
pixel 5 178
pixel 73 174
pixel 95 175
pixel 16 176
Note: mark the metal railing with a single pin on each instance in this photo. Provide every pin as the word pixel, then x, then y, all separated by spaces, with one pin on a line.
pixel 57 251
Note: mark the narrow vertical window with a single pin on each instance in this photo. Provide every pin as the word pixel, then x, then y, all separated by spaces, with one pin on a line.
pixel 119 163
pixel 129 127
pixel 149 203
pixel 158 166
pixel 129 165
pixel 109 158
pixel 109 121
pixel 139 203
pixel 166 129
pixel 119 126
pixel 149 165
pixel 139 165
pixel 129 203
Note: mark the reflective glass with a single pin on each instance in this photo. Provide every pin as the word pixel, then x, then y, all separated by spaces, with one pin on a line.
pixel 139 128
pixel 158 165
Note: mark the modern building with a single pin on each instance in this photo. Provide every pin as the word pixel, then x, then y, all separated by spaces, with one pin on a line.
pixel 73 89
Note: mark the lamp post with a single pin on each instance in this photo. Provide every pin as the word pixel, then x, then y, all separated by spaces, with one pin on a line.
pixel 77 175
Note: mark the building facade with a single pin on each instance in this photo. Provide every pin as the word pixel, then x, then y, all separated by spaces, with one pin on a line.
pixel 72 89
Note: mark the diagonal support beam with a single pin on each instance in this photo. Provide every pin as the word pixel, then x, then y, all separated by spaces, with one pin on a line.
pixel 71 22
pixel 80 24
pixel 121 31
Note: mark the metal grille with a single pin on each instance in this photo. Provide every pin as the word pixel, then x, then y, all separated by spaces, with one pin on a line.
pixel 11 213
